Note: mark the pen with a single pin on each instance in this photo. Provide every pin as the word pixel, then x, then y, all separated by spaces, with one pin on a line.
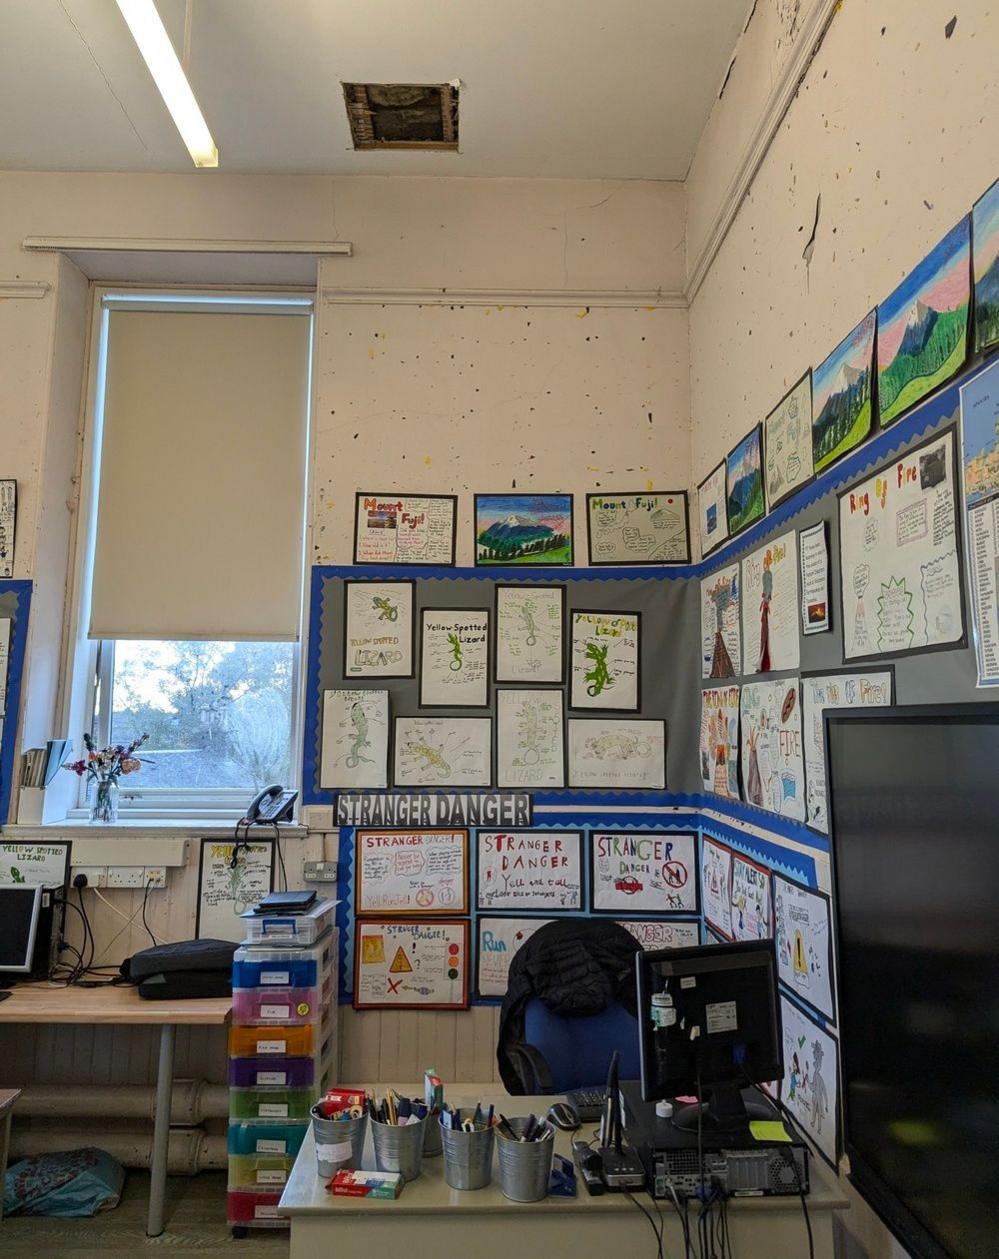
pixel 489 1115
pixel 504 1127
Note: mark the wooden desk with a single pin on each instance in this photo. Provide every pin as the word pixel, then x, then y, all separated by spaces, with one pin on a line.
pixel 47 1003
pixel 430 1219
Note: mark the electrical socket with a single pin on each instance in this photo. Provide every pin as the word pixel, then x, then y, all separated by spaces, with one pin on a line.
pixel 126 876
pixel 154 877
pixel 97 876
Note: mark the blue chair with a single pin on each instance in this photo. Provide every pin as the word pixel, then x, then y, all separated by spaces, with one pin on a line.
pixel 560 1053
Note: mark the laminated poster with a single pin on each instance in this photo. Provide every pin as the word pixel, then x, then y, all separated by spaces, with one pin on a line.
pixel 628 755
pixel 716 886
pixel 804 944
pixel 530 870
pixel 378 629
pixel 355 739
pixel 410 965
pixel 8 525
pixel 225 891
pixel 639 871
pixel 770 606
pixel 810 1088
pixel 900 570
pixel 499 940
pixel 530 741
pixel 411 872
pixel 712 511
pixel 638 528
pixel 814 559
pixel 529 633
pixel 719 743
pixel 980 459
pixel 751 907
pixel 721 628
pixel 661 933
pixel 605 661
pixel 46 864
pixel 454 658
pixel 773 765
pixel 787 442
pixel 833 690
pixel 443 751
pixel 4 661
pixel 404 528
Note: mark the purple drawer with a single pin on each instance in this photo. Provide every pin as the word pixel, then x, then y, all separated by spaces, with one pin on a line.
pixel 251 1073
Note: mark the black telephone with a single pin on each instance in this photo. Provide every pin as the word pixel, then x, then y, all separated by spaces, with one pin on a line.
pixel 273 804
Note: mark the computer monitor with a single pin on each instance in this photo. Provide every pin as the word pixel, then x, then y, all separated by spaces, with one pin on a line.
pixel 20 910
pixel 709 1023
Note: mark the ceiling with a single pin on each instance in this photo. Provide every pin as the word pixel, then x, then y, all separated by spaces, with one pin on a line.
pixel 616 89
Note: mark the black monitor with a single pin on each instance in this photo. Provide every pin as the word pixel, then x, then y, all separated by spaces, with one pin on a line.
pixel 20 911
pixel 709 1024
pixel 914 812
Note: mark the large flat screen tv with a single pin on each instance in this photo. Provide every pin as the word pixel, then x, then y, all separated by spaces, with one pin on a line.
pixel 914 808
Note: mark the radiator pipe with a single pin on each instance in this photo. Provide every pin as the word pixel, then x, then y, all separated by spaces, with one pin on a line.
pixel 191 1102
pixel 191 1149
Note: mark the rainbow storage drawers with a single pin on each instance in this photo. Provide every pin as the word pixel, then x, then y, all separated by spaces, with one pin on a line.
pixel 281 1058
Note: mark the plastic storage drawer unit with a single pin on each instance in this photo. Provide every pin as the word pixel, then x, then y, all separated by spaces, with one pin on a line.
pixel 279 1005
pixel 270 1103
pixel 272 1041
pixel 259 1171
pixel 266 1138
pixel 257 1209
pixel 273 968
pixel 291 1073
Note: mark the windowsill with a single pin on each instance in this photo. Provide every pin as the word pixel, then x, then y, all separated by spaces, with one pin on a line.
pixel 133 828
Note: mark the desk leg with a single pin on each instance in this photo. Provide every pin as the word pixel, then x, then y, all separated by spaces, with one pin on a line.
pixel 161 1132
pixel 4 1151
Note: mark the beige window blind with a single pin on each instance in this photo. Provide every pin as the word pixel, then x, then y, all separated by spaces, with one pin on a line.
pixel 201 496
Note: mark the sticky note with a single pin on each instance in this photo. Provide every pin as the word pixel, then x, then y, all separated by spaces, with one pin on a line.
pixel 768 1130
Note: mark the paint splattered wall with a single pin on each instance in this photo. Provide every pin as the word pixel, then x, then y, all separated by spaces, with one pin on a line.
pixel 894 128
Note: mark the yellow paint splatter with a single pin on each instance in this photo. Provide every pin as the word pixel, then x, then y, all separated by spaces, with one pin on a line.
pixel 648 487
pixel 501 308
pixel 426 460
pixel 371 351
pixel 581 314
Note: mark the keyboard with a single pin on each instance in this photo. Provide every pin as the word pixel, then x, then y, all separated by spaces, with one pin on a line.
pixel 588 1102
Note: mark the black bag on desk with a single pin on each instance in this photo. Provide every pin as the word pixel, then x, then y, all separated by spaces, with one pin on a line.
pixel 189 968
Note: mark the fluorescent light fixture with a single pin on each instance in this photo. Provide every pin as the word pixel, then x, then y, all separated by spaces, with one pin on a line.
pixel 150 34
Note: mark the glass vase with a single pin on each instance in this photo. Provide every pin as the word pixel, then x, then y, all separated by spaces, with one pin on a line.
pixel 104 804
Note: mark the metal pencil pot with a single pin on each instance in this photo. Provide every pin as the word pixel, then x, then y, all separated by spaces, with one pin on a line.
pixel 339 1142
pixel 468 1156
pixel 432 1147
pixel 399 1147
pixel 525 1166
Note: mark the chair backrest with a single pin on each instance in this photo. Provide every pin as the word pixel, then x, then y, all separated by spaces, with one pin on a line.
pixel 578 1050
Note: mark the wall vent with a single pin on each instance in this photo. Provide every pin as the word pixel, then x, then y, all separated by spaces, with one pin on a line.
pixel 402 115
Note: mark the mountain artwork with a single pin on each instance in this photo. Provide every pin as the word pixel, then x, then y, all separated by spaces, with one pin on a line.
pixel 985 266
pixel 523 529
pixel 841 396
pixel 744 482
pixel 923 325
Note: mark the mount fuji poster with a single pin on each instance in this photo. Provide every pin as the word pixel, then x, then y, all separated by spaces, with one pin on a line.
pixel 523 529
pixel 744 482
pixel 841 396
pixel 985 231
pixel 923 325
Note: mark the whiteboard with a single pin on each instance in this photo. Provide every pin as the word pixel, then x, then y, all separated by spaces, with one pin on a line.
pixel 530 870
pixel 900 571
pixel 411 872
pixel 415 965
pixel 499 940
pixel 224 892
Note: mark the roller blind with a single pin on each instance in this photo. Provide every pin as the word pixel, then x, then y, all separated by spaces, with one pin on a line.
pixel 202 476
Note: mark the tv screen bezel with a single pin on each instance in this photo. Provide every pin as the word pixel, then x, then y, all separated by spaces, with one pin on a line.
pixel 906 1227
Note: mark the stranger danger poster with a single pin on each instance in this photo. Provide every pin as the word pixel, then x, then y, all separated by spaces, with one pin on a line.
pixel 412 872
pixel 530 870
pixel 416 965
pixel 644 870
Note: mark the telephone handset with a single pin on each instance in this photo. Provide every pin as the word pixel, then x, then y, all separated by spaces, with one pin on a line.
pixel 273 804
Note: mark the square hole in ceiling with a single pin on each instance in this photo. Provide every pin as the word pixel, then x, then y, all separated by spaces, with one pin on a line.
pixel 402 115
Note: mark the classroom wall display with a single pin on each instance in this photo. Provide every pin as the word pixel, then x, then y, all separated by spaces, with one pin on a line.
pixel 899 562
pixel 770 606
pixel 643 871
pixel 443 752
pixel 411 872
pixel 4 661
pixel 225 890
pixel 530 623
pixel 716 886
pixel 773 765
pixel 980 463
pixel 923 325
pixel 514 529
pixel 499 940
pixel 650 528
pixel 752 913
pixel 833 690
pixel 719 742
pixel 787 443
pixel 809 1091
pixel 378 629
pixel 405 528
pixel 45 864
pixel 454 657
pixel 530 739
pixel 662 933
pixel 604 657
pixel 712 511
pixel 804 944
pixel 410 965
pixel 622 754
pixel 842 398
pixel 530 870
pixel 744 482
pixel 985 267
pixel 721 625
pixel 813 559
pixel 355 739
pixel 8 526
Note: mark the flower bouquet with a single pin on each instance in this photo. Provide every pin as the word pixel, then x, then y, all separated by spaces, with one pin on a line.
pixel 103 767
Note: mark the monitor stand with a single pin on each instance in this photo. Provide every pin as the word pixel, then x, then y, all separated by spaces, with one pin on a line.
pixel 725 1111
